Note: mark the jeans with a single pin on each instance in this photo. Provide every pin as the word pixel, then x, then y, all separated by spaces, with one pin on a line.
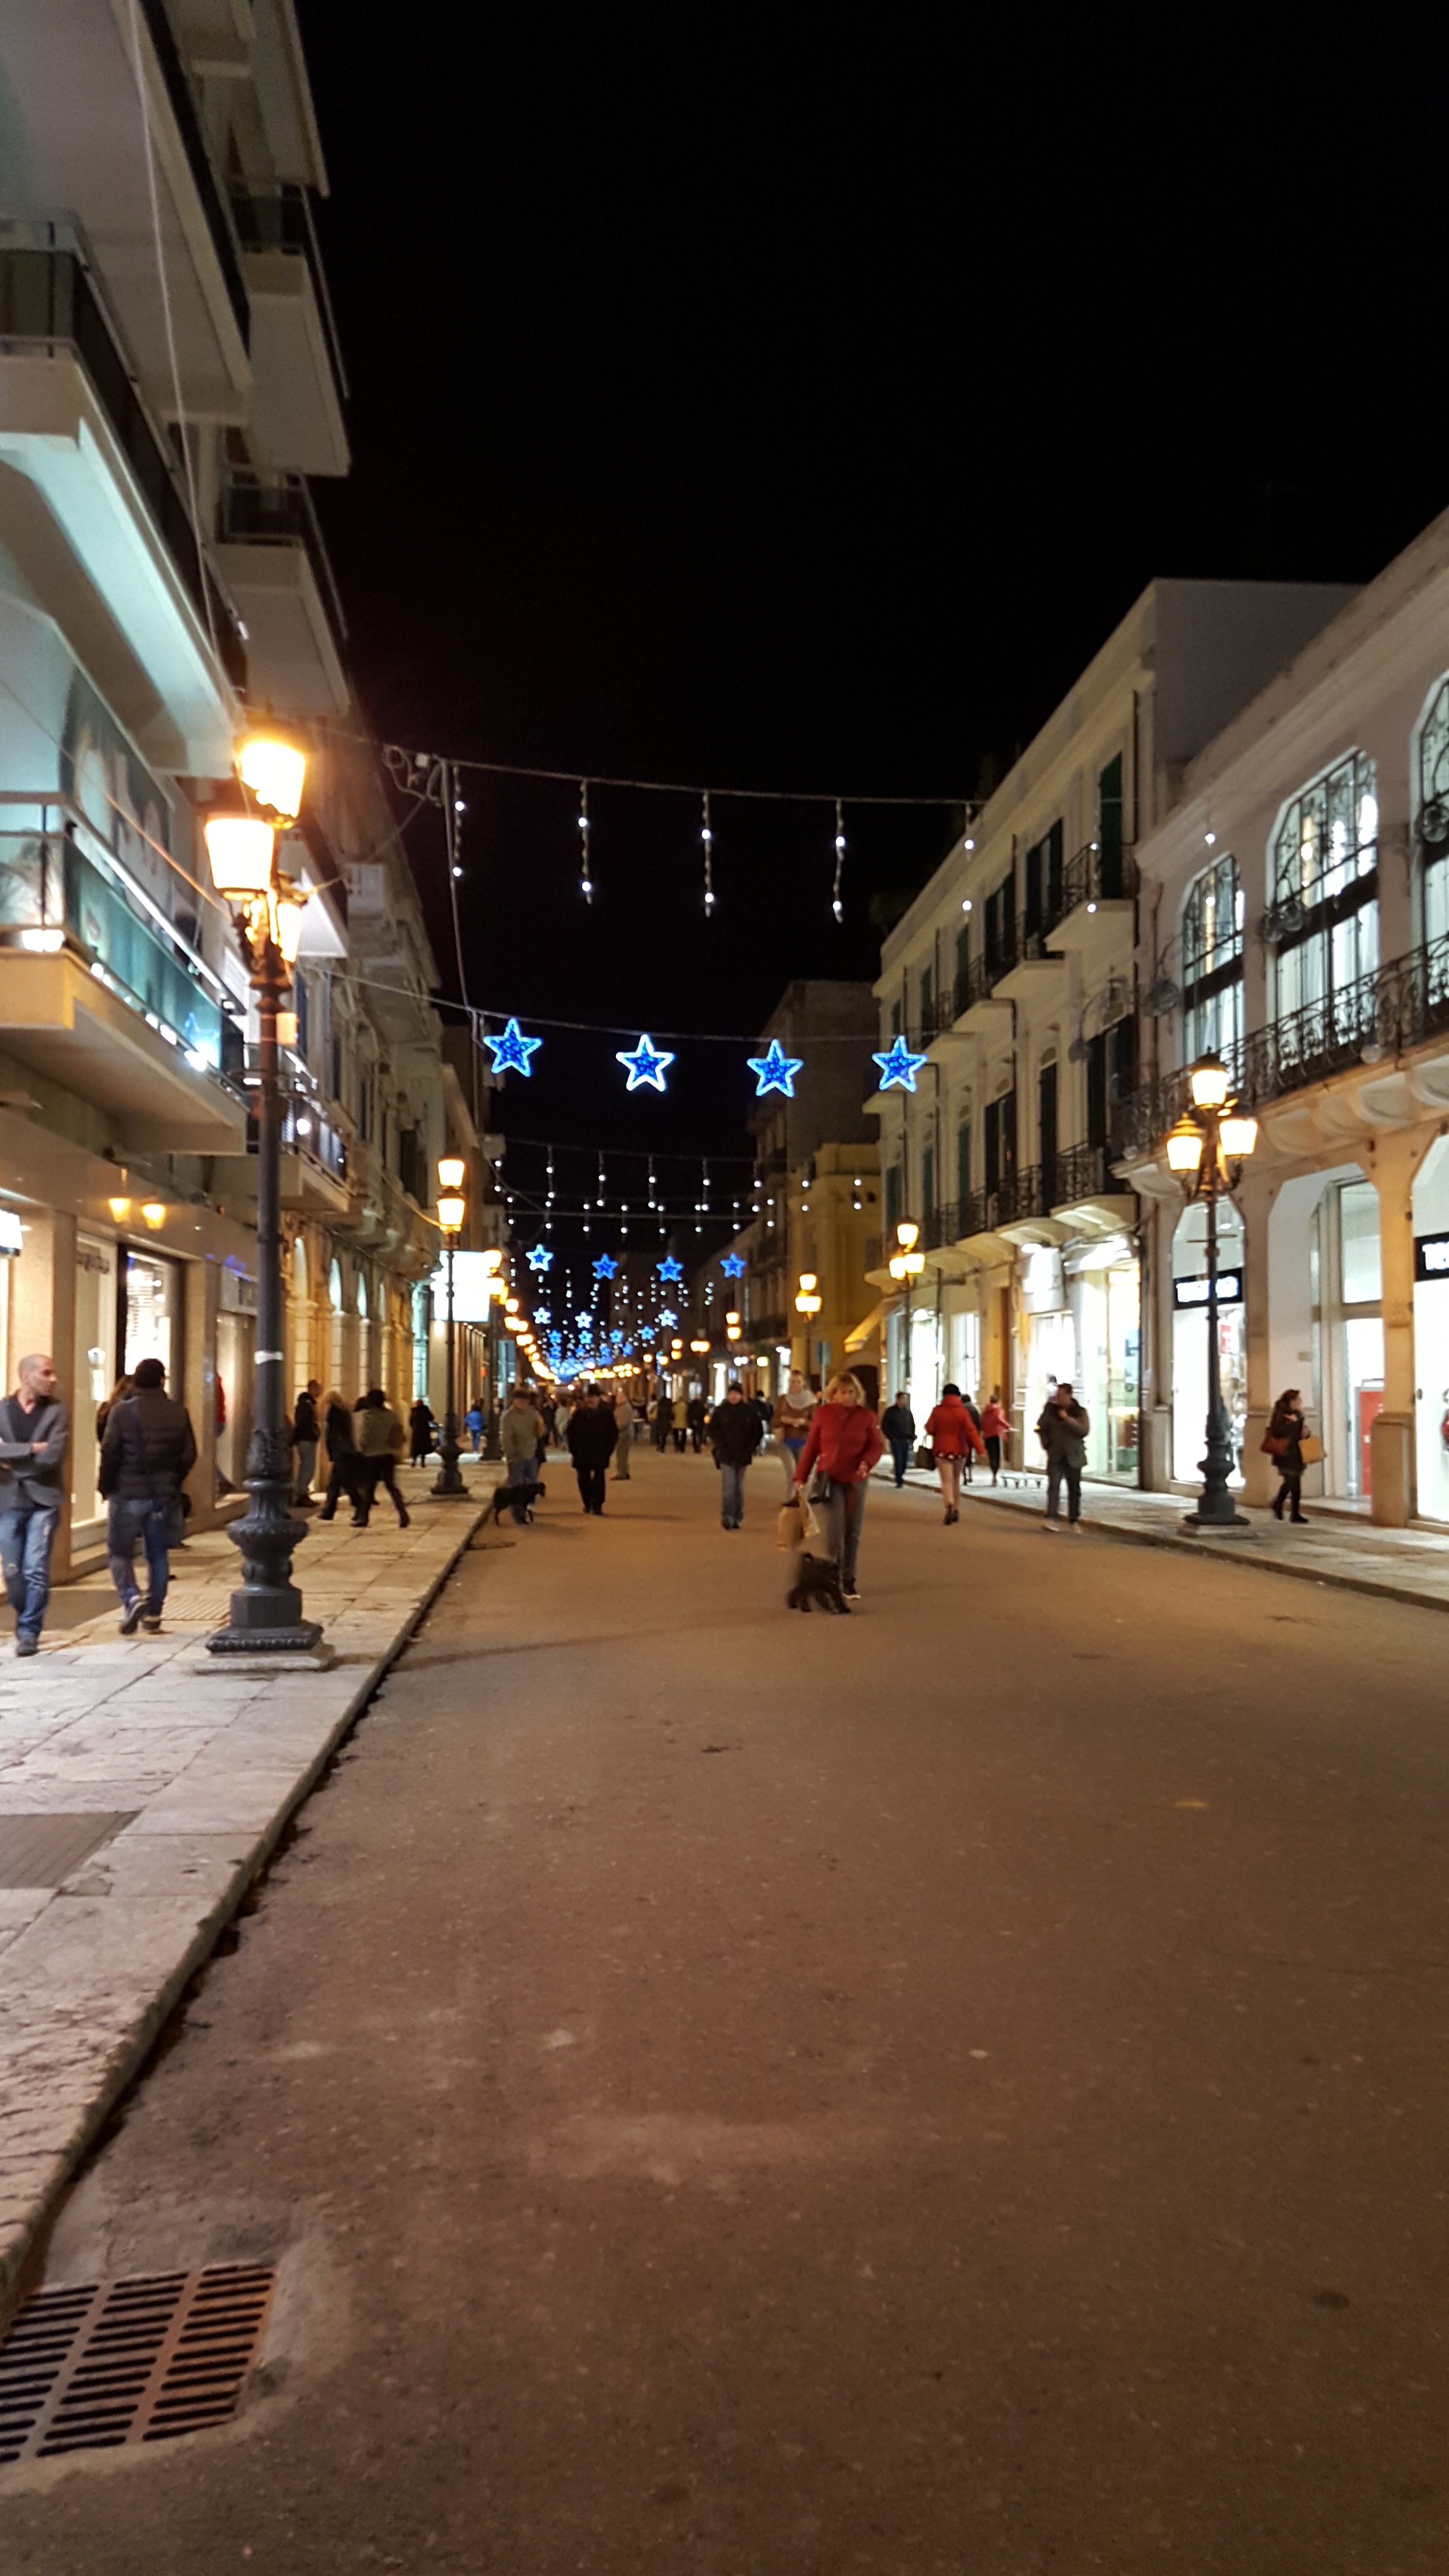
pixel 731 1493
pixel 306 1468
pixel 901 1453
pixel 148 1522
pixel 1058 1471
pixel 842 1517
pixel 27 1535
pixel 522 1483
pixel 591 1487
pixel 372 1472
pixel 948 1468
pixel 993 1454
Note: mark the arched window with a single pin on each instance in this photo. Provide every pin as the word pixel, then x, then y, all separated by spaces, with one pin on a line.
pixel 334 1287
pixel 1324 918
pixel 1212 961
pixel 1432 812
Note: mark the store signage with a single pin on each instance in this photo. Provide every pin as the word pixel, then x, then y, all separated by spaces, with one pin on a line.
pixel 1431 1256
pixel 1194 1292
pixel 11 1237
pixel 470 1288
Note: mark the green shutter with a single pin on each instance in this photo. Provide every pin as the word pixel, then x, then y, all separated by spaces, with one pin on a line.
pixel 963 1161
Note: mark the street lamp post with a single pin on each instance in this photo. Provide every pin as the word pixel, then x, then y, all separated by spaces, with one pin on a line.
pixel 907 1264
pixel 448 1483
pixel 241 840
pixel 1207 1149
pixel 808 1303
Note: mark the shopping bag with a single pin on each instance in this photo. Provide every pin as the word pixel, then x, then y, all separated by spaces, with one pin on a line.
pixel 790 1524
pixel 1310 1449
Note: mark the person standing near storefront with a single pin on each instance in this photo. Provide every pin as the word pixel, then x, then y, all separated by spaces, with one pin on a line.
pixel 1062 1431
pixel 306 1432
pixel 953 1436
pixel 898 1423
pixel 146 1456
pixel 34 1430
pixel 1283 1441
pixel 995 1428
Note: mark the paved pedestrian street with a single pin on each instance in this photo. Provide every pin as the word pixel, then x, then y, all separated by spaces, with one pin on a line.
pixel 953 2091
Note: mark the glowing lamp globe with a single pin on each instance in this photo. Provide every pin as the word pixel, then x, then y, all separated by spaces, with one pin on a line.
pixel 1209 1082
pixel 907 1234
pixel 274 766
pixel 450 1215
pixel 1239 1136
pixel 289 921
pixel 450 1177
pixel 239 847
pixel 1184 1147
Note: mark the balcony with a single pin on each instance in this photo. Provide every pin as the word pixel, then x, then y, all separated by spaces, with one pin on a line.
pixel 81 440
pixel 275 562
pixel 104 1004
pixel 1097 903
pixel 297 371
pixel 1081 1190
pixel 1030 971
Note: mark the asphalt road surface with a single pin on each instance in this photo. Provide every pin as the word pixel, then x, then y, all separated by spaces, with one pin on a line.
pixel 955 2089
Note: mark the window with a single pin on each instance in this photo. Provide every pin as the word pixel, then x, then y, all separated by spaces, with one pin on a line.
pixel 1433 813
pixel 1325 915
pixel 963 963
pixel 1109 828
pixel 1000 1140
pixel 963 1161
pixel 928 996
pixel 894 1196
pixel 1044 883
pixel 1212 962
pixel 895 1019
pixel 928 1181
pixel 1000 929
pixel 1046 1128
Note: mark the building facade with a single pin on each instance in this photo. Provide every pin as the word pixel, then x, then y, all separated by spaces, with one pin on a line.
pixel 169 383
pixel 816 1190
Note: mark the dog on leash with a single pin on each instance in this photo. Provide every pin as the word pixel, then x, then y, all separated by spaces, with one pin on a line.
pixel 817 1578
pixel 505 1495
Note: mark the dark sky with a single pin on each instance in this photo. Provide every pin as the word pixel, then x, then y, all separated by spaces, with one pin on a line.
pixel 800 404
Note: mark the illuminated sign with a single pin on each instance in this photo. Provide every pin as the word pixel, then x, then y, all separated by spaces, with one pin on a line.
pixel 1431 1256
pixel 1194 1292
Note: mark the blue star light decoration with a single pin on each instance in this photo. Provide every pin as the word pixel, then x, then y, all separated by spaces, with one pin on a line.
pixel 775 1071
pixel 541 1315
pixel 605 1266
pixel 668 1316
pixel 585 1324
pixel 646 1063
pixel 540 1258
pixel 669 1268
pixel 512 1051
pixel 899 1069
pixel 734 1265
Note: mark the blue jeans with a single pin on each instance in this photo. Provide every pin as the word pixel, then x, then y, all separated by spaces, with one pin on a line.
pixel 27 1535
pixel 731 1493
pixel 901 1452
pixel 522 1478
pixel 842 1517
pixel 150 1523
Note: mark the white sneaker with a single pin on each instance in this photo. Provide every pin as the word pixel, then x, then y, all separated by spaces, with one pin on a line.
pixel 1077 1529
pixel 1048 1529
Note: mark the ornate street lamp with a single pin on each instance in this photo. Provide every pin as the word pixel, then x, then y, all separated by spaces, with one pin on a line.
pixel 451 1211
pixel 907 1264
pixel 266 908
pixel 1207 1149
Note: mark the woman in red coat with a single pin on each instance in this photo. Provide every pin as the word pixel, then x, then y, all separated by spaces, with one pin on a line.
pixel 844 1444
pixel 953 1435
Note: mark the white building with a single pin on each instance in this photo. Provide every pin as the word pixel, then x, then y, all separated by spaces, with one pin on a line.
pixel 1294 912
pixel 1013 973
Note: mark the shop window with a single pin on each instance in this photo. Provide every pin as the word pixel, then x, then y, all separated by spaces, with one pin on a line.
pixel 1433 813
pixel 94 1366
pixel 1190 1342
pixel 1212 962
pixel 1347 1279
pixel 1324 917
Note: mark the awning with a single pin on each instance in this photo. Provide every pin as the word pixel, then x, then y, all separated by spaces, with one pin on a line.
pixel 859 1335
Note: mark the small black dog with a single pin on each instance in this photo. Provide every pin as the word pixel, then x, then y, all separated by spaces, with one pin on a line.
pixel 817 1578
pixel 504 1495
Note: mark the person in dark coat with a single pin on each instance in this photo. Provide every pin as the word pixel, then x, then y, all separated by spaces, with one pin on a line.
pixel 735 1433
pixel 1062 1431
pixel 663 1422
pixel 592 1434
pixel 344 1464
pixel 420 1433
pixel 899 1426
pixel 306 1433
pixel 1283 1440
pixel 148 1452
pixel 696 1415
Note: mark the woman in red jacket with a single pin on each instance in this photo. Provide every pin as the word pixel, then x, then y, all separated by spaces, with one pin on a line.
pixel 844 1444
pixel 953 1436
pixel 996 1428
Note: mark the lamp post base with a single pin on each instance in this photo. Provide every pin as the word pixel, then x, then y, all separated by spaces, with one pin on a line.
pixel 1208 1525
pixel 448 1485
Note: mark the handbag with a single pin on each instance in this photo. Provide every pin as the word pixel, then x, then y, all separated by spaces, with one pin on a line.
pixel 790 1524
pixel 1274 1445
pixel 1310 1449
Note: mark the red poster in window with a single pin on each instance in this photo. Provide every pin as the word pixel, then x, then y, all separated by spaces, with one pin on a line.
pixel 1370 1406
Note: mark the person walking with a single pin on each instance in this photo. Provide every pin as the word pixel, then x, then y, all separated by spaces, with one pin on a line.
pixel 148 1452
pixel 306 1433
pixel 519 1434
pixel 898 1423
pixel 420 1433
pixel 951 1430
pixel 623 1437
pixel 1283 1441
pixel 473 1423
pixel 34 1430
pixel 379 1447
pixel 696 1415
pixel 343 1463
pixel 791 1419
pixel 592 1439
pixel 663 1423
pixel 1062 1431
pixel 843 1444
pixel 735 1433
pixel 118 1395
pixel 995 1428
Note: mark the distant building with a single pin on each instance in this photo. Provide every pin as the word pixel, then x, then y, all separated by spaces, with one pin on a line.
pixel 816 1187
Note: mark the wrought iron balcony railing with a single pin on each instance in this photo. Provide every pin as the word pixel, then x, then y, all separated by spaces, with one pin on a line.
pixel 1379 1016
pixel 1097 875
pixel 1082 1172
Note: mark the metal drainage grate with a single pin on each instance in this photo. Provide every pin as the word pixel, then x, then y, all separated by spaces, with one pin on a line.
pixel 130 2361
pixel 41 1850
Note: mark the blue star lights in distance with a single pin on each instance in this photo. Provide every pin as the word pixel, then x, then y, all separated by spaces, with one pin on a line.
pixel 899 1069
pixel 734 1265
pixel 540 1258
pixel 605 1266
pixel 512 1051
pixel 775 1071
pixel 645 1063
pixel 669 1268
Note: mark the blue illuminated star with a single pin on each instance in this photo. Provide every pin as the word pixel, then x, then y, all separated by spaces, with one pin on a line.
pixel 734 1265
pixel 605 1266
pixel 512 1051
pixel 775 1071
pixel 669 1268
pixel 646 1063
pixel 540 1258
pixel 899 1069
pixel 541 1315
pixel 667 1316
pixel 585 1323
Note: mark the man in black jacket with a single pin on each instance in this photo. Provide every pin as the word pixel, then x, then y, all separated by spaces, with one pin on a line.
pixel 592 1434
pixel 148 1452
pixel 735 1433
pixel 306 1432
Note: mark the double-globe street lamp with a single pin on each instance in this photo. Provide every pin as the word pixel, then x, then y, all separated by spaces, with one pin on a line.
pixel 906 1264
pixel 451 1211
pixel 242 829
pixel 1207 1149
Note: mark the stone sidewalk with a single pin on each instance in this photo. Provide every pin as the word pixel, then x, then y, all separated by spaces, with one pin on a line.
pixel 139 1796
pixel 1334 1547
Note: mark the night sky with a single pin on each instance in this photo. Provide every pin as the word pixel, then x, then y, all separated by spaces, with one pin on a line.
pixel 800 405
